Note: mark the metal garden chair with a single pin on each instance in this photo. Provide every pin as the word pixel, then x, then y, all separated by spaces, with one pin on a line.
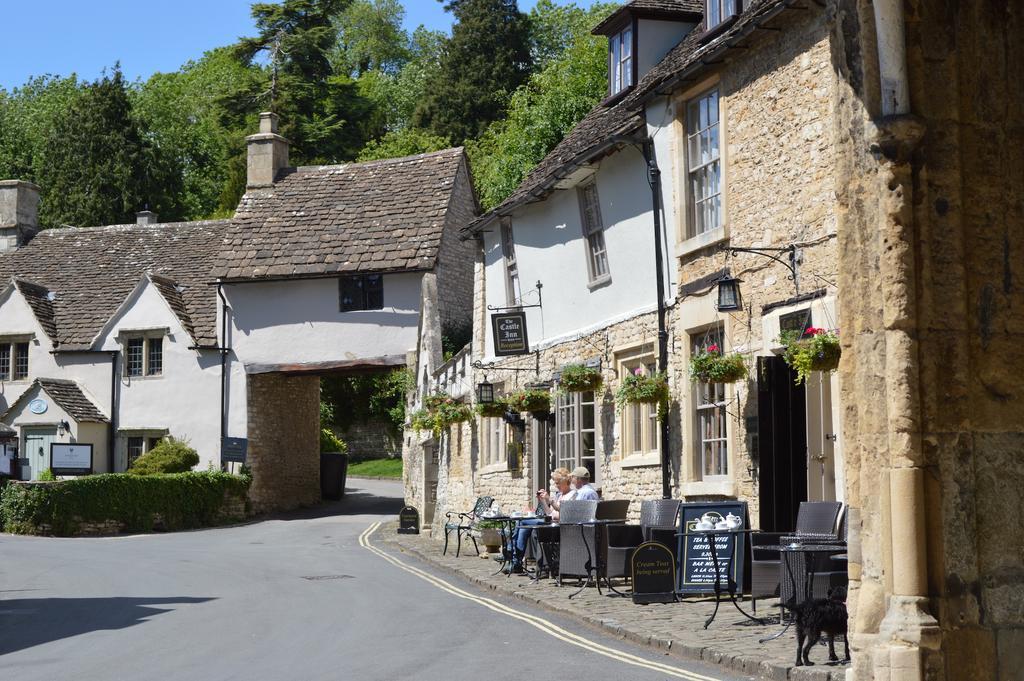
pixel 465 523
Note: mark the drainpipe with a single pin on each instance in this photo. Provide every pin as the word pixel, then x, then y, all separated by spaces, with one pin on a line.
pixel 111 439
pixel 224 349
pixel 654 179
pixel 892 57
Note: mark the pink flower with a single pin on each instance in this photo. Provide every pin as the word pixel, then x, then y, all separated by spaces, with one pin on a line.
pixel 638 371
pixel 713 347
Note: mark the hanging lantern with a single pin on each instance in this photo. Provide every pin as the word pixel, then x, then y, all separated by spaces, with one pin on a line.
pixel 729 298
pixel 485 392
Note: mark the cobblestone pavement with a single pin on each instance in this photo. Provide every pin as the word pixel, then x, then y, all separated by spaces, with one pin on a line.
pixel 677 628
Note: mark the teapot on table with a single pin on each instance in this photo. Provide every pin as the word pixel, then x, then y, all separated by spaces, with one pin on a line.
pixel 733 522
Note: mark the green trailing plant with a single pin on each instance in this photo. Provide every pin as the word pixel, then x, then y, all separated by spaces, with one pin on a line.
pixel 579 378
pixel 711 365
pixel 178 500
pixel 533 400
pixel 47 476
pixel 329 442
pixel 639 388
pixel 816 349
pixel 496 408
pixel 441 412
pixel 169 456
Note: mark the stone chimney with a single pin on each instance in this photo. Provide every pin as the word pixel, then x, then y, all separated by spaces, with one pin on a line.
pixel 145 217
pixel 268 153
pixel 19 211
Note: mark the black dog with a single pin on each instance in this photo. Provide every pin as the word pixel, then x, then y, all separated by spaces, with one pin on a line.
pixel 818 616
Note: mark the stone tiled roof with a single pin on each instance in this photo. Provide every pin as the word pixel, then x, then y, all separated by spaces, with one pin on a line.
pixel 595 132
pixel 379 216
pixel 92 270
pixel 39 299
pixel 690 9
pixel 69 396
pixel 172 293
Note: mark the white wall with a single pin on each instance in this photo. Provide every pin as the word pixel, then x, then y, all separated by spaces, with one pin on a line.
pixel 550 247
pixel 297 321
pixel 184 399
pixel 654 40
pixel 16 318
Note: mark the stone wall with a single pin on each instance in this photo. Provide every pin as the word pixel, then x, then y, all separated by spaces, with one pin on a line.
pixel 371 439
pixel 932 239
pixel 284 441
pixel 456 258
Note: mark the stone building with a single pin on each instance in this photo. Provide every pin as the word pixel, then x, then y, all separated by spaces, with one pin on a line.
pixel 878 145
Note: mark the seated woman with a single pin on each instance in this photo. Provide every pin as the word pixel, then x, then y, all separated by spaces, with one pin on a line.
pixel 547 505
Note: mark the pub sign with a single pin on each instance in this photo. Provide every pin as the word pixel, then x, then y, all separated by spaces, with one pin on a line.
pixel 510 333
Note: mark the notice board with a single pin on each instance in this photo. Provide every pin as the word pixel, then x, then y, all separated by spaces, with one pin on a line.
pixel 696 572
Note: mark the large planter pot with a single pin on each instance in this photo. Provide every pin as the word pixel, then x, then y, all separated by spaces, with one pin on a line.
pixel 490 537
pixel 333 471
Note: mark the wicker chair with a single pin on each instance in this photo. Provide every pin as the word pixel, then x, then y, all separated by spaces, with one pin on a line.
pixel 465 523
pixel 817 522
pixel 573 553
pixel 657 523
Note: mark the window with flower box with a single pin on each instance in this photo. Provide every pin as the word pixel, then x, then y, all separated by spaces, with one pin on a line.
pixel 640 433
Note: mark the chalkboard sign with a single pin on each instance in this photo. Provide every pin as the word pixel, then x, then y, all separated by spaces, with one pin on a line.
pixel 696 567
pixel 408 521
pixel 653 573
pixel 510 333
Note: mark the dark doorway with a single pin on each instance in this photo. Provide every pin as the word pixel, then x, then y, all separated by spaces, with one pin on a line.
pixel 782 437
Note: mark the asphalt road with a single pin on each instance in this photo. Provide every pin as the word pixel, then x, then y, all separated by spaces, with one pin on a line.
pixel 297 598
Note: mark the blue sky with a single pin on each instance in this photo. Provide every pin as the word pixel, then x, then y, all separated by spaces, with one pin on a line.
pixel 84 36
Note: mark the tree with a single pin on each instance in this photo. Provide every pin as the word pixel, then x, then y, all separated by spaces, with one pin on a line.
pixel 544 110
pixel 320 108
pixel 97 167
pixel 183 113
pixel 487 58
pixel 371 38
pixel 403 142
pixel 26 116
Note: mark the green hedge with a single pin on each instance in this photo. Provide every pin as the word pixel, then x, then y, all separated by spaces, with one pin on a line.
pixel 170 456
pixel 183 500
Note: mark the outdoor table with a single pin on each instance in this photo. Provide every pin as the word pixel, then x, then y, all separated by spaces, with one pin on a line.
pixel 808 577
pixel 594 566
pixel 507 531
pixel 730 584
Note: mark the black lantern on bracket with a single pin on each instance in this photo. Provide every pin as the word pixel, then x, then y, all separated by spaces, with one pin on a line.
pixel 729 298
pixel 485 392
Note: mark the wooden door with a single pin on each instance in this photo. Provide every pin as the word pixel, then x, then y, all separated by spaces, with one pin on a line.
pixel 821 461
pixel 37 450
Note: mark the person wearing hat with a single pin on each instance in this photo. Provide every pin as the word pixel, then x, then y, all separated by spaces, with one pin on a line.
pixel 581 483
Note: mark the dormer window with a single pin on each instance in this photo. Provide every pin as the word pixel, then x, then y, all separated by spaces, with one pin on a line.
pixel 719 11
pixel 620 61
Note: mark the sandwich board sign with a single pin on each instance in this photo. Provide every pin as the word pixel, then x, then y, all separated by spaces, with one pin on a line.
pixel 653 574
pixel 696 564
pixel 70 459
pixel 409 521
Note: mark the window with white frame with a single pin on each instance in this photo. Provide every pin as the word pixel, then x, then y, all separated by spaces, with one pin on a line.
pixel 575 424
pixel 508 251
pixel 718 11
pixel 593 232
pixel 620 61
pixel 710 418
pixel 143 356
pixel 703 163
pixel 639 432
pixel 13 360
pixel 494 435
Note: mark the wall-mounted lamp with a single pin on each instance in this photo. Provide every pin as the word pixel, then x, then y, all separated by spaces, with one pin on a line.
pixel 63 427
pixel 729 297
pixel 485 392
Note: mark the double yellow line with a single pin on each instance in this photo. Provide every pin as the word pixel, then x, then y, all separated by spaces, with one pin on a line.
pixel 532 620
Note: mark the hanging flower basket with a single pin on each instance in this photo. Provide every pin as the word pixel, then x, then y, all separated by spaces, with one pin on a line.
pixel 491 409
pixel 710 365
pixel 534 401
pixel 421 420
pixel 816 350
pixel 578 378
pixel 442 411
pixel 638 388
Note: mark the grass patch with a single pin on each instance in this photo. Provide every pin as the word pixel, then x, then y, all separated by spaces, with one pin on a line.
pixel 377 468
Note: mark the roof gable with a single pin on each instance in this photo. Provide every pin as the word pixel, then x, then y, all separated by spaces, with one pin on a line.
pixel 165 290
pixel 68 395
pixel 93 270
pixel 380 216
